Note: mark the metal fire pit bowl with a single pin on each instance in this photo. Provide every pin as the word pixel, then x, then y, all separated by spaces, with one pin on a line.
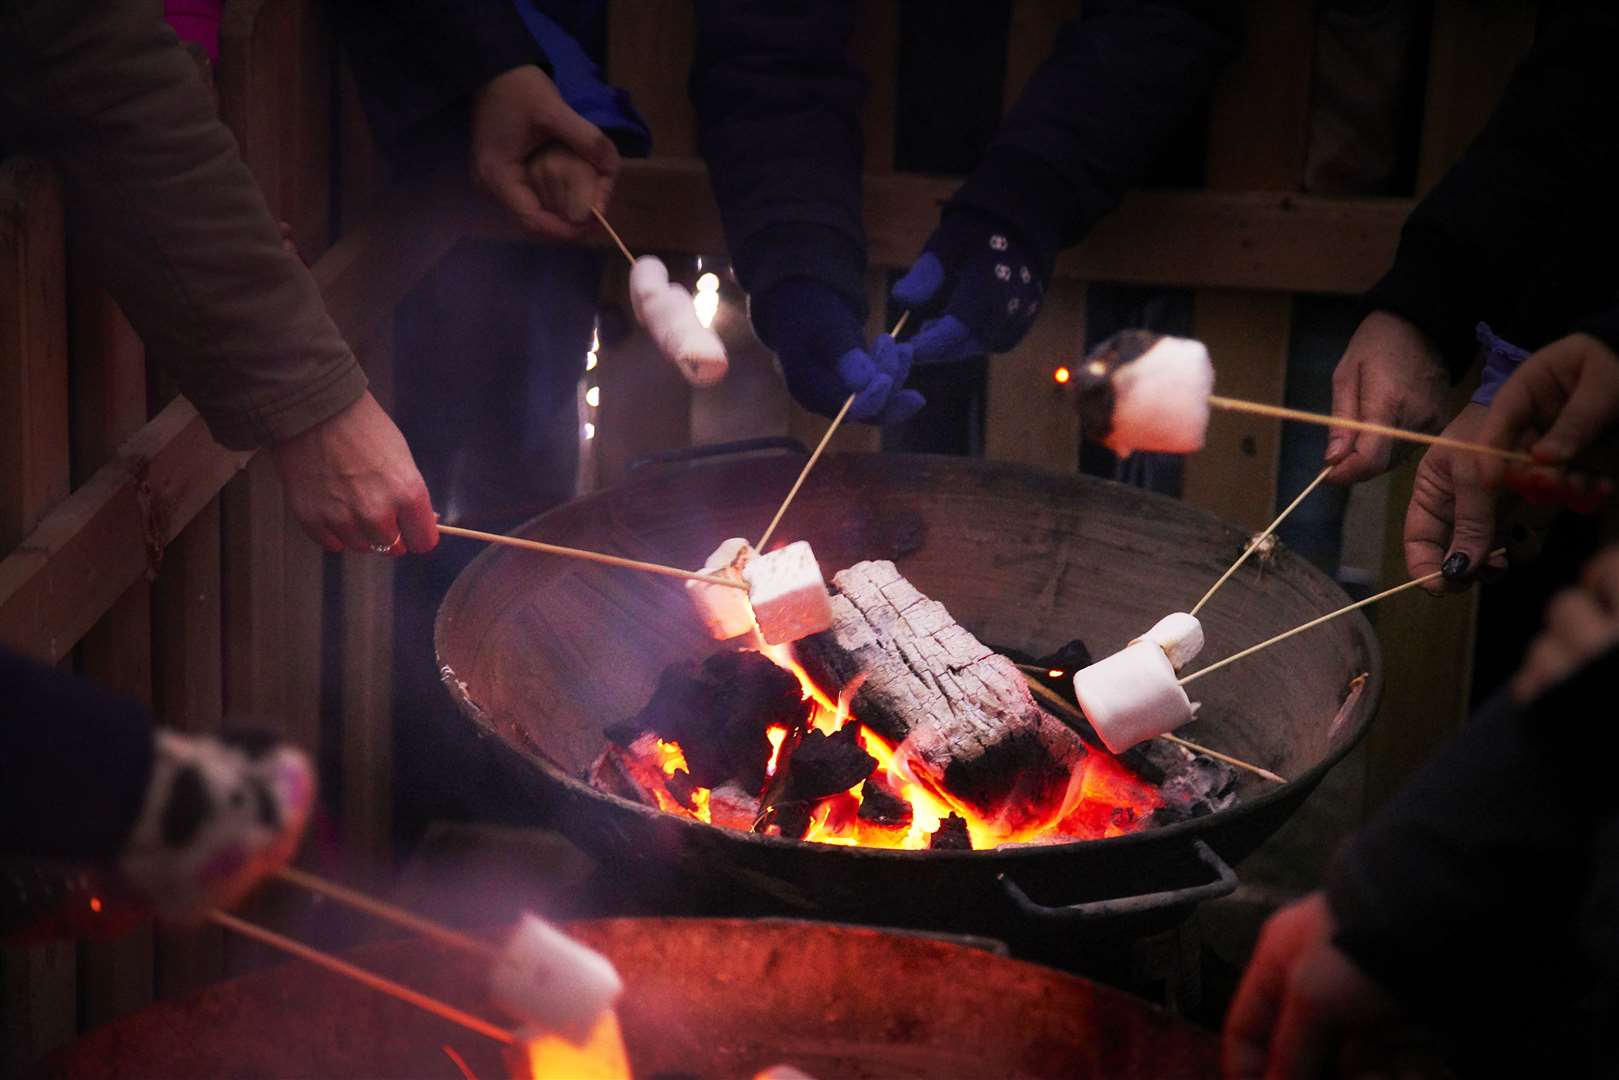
pixel 704 999
pixel 543 653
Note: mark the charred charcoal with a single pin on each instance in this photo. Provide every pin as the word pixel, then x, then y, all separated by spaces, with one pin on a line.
pixel 681 787
pixel 880 806
pixel 791 818
pixel 1068 659
pixel 625 732
pixel 951 835
pixel 827 764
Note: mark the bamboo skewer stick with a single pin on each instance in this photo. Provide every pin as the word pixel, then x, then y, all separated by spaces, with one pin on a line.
pixel 617 239
pixel 1280 412
pixel 803 474
pixel 590 556
pixel 361 975
pixel 1254 543
pixel 1061 704
pixel 1328 617
pixel 444 935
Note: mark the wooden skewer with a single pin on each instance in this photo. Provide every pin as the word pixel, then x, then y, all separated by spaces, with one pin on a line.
pixel 1062 705
pixel 590 556
pixel 619 240
pixel 1198 748
pixel 803 474
pixel 1284 635
pixel 361 975
pixel 1253 544
pixel 445 935
pixel 1282 413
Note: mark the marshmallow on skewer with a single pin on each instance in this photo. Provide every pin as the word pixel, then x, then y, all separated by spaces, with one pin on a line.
pixel 665 311
pixel 551 982
pixel 789 595
pixel 1144 391
pixel 1132 696
pixel 725 611
pixel 1180 636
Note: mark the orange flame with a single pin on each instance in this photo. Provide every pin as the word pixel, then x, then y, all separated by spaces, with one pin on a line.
pixel 1103 798
pixel 600 1057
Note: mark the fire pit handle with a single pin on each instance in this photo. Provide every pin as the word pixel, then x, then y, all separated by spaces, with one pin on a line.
pixel 1224 884
pixel 719 450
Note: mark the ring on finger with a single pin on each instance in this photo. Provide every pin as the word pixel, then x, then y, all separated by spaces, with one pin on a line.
pixel 389 547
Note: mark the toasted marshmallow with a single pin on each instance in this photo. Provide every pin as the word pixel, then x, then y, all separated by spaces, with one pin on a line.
pixel 1180 636
pixel 551 982
pixel 789 595
pixel 665 311
pixel 1132 696
pixel 1140 390
pixel 725 611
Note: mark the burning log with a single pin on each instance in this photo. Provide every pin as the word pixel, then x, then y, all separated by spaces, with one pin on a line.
pixel 879 806
pixel 962 712
pixel 824 765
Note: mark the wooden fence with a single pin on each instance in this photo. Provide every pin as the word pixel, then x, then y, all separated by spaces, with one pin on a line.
pixel 142 555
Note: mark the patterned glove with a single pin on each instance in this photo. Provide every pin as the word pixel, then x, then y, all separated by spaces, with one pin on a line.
pixel 219 814
pixel 978 287
pixel 817 338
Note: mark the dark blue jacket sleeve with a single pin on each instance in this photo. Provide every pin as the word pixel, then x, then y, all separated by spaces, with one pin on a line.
pixel 1485 863
pixel 75 761
pixel 1520 232
pixel 778 122
pixel 1120 83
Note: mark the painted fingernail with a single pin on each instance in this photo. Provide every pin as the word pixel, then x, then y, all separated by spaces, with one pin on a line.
pixel 1455 566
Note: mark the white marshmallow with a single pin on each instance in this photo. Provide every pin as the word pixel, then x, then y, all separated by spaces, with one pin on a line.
pixel 665 311
pixel 725 611
pixel 1132 696
pixel 783 1072
pixel 1180 636
pixel 548 980
pixel 789 595
pixel 1161 399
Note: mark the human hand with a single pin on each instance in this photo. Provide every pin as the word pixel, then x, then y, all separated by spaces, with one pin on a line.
pixel 1391 373
pixel 351 482
pixel 1300 1000
pixel 975 285
pixel 1561 403
pixel 547 164
pixel 1581 623
pixel 817 337
pixel 1450 522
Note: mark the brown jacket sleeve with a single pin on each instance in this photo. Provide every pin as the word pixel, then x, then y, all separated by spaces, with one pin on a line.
pixel 181 232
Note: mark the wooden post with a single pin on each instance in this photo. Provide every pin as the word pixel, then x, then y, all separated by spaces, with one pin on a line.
pixel 38 1007
pixel 1428 647
pixel 109 405
pixel 1257 131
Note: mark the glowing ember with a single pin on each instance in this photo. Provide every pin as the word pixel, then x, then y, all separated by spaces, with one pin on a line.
pixel 600 1057
pixel 1102 798
pixel 1062 375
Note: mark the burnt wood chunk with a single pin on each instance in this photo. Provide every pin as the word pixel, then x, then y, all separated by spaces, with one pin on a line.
pixel 718 712
pixel 962 712
pixel 612 773
pixel 824 765
pixel 951 835
pixel 880 806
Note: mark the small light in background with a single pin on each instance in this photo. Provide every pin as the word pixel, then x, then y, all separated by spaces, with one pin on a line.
pixel 95 904
pixel 1062 375
pixel 593 396
pixel 1055 673
pixel 707 300
pixel 590 361
pixel 590 431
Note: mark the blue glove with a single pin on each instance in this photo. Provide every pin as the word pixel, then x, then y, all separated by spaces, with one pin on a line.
pixel 977 285
pixel 817 337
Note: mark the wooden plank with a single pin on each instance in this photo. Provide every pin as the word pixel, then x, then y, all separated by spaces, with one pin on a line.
pixel 876 47
pixel 1428 646
pixel 1031 418
pixel 1028 415
pixel 34 448
pixel 188 692
pixel 109 405
pixel 38 985
pixel 366 650
pixel 1257 138
pixel 649 51
pixel 1264 240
